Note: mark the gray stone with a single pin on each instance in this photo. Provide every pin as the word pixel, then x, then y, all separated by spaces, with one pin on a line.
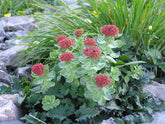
pixel 3 84
pixel 33 27
pixel 70 1
pixel 159 118
pixel 12 122
pixel 4 77
pixel 2 24
pixel 3 46
pixel 8 56
pixel 2 66
pixel 13 42
pixel 17 23
pixel 24 72
pixel 108 121
pixel 13 35
pixel 2 35
pixel 8 107
pixel 156 89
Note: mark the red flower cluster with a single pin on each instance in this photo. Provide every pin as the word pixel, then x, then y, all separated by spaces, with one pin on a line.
pixel 79 32
pixel 102 81
pixel 66 56
pixel 92 52
pixel 38 69
pixel 90 42
pixel 66 43
pixel 60 37
pixel 110 30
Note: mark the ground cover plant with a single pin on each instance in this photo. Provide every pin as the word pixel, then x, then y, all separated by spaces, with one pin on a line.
pixel 88 80
pixel 97 71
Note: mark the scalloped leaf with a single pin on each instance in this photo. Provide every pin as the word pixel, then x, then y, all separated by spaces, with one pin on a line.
pixel 49 102
pixel 84 113
pixel 61 112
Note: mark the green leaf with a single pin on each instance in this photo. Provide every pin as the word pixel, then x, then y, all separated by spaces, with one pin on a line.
pixel 95 96
pixel 154 54
pixel 46 85
pixel 126 78
pixel 85 80
pixel 50 75
pixel 84 113
pixel 21 99
pixel 53 55
pixel 115 73
pixel 61 112
pixel 46 69
pixel 63 65
pixel 49 102
pixel 135 62
pixel 66 72
pixel 162 65
pixel 69 79
pixel 112 106
pixel 111 59
pixel 116 44
pixel 115 55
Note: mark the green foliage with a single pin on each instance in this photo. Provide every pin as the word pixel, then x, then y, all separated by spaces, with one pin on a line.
pixel 84 113
pixel 68 92
pixel 17 7
pixel 61 112
pixel 49 102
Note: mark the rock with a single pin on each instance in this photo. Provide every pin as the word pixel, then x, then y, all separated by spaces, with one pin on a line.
pixel 159 118
pixel 13 42
pixel 2 35
pixel 8 109
pixel 70 1
pixel 3 84
pixel 12 122
pixel 11 97
pixel 3 46
pixel 24 72
pixel 156 89
pixel 2 66
pixel 8 56
pixel 13 35
pixel 108 121
pixel 33 27
pixel 17 23
pixel 4 77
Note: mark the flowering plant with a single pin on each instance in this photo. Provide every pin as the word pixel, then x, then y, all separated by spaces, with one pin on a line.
pixel 86 71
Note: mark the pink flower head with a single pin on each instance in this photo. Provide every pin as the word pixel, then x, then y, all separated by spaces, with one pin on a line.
pixel 102 81
pixel 66 43
pixel 90 42
pixel 79 32
pixel 110 30
pixel 92 52
pixel 38 69
pixel 66 56
pixel 60 37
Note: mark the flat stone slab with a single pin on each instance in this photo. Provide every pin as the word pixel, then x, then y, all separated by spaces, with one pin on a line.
pixel 8 107
pixel 8 55
pixel 4 77
pixel 3 46
pixel 159 118
pixel 12 122
pixel 156 89
pixel 24 72
pixel 17 23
